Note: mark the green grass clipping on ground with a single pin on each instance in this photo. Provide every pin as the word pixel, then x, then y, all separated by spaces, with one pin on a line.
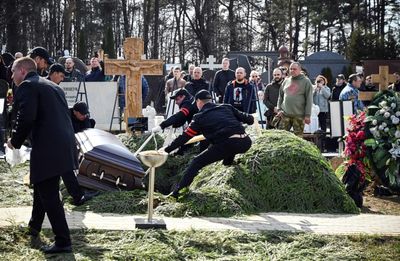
pixel 280 173
pixel 200 245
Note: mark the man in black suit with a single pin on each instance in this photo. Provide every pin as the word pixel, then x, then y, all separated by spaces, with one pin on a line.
pixel 42 113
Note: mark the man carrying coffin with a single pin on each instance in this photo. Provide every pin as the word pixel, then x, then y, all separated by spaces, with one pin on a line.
pixel 42 112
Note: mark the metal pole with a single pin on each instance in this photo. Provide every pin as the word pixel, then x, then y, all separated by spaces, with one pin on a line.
pixel 151 195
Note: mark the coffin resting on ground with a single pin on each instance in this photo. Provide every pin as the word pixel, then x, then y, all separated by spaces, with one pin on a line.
pixel 106 164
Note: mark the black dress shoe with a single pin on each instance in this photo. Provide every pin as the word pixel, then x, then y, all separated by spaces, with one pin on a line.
pixel 53 249
pixel 87 196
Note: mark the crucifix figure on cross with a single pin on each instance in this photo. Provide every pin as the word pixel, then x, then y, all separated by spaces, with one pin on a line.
pixel 133 67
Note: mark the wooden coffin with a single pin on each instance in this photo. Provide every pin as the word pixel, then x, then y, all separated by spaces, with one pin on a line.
pixel 105 164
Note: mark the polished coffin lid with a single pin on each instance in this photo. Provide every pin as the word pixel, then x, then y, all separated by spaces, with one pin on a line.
pixel 103 147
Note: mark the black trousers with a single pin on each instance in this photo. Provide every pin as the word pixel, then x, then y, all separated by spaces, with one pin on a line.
pixel 225 150
pixel 72 185
pixel 322 120
pixel 46 199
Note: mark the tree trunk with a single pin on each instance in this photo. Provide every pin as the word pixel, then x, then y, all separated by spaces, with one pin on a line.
pixel 297 17
pixel 126 19
pixel 12 26
pixel 307 31
pixel 232 28
pixel 290 26
pixel 154 53
pixel 70 6
pixel 146 24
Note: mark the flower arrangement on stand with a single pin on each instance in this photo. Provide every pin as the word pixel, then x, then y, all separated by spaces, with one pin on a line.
pixel 383 137
pixel 357 163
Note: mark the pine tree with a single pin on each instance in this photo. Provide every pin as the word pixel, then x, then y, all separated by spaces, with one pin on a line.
pixel 108 43
pixel 82 46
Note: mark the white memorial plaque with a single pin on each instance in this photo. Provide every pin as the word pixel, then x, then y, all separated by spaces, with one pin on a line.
pixel 338 111
pixel 101 97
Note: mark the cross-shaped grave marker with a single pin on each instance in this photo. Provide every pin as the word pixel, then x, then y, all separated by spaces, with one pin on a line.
pixel 133 67
pixel 211 63
pixel 383 78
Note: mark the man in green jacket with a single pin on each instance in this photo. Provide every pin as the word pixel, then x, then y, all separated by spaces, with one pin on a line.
pixel 295 101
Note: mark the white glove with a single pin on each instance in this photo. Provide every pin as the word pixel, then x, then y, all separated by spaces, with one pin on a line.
pixel 156 129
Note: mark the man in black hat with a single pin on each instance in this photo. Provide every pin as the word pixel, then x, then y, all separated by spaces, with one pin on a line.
pixel 221 126
pixel 42 60
pixel 339 86
pixel 80 117
pixel 187 108
pixel 56 73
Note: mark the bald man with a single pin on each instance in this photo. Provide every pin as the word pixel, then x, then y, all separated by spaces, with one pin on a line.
pixel 295 101
pixel 42 113
pixel 197 83
pixel 71 74
pixel 240 93
pixel 271 95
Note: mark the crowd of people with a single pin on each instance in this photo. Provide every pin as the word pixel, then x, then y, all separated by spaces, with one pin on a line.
pixel 232 99
pixel 220 111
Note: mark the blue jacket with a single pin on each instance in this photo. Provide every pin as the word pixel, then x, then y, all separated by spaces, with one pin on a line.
pixel 351 93
pixel 95 75
pixel 321 97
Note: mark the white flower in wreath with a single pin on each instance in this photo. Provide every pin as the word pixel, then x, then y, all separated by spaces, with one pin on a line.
pixel 393 105
pixel 384 124
pixel 395 151
pixel 398 113
pixel 374 122
pixel 381 127
pixel 382 103
pixel 395 120
pixel 386 114
pixel 397 134
pixel 386 129
pixel 382 111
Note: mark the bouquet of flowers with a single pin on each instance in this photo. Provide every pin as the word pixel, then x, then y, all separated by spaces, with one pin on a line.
pixel 355 149
pixel 357 163
pixel 383 137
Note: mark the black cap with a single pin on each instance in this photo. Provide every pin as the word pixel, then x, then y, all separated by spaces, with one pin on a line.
pixel 41 52
pixel 341 76
pixel 181 91
pixel 81 107
pixel 56 67
pixel 203 95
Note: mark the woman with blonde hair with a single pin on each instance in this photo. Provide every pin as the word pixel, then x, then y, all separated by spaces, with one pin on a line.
pixel 321 96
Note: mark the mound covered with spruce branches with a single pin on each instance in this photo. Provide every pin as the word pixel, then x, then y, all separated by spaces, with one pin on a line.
pixel 280 173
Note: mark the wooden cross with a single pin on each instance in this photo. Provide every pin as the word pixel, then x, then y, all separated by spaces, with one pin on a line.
pixel 383 78
pixel 133 67
pixel 211 63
